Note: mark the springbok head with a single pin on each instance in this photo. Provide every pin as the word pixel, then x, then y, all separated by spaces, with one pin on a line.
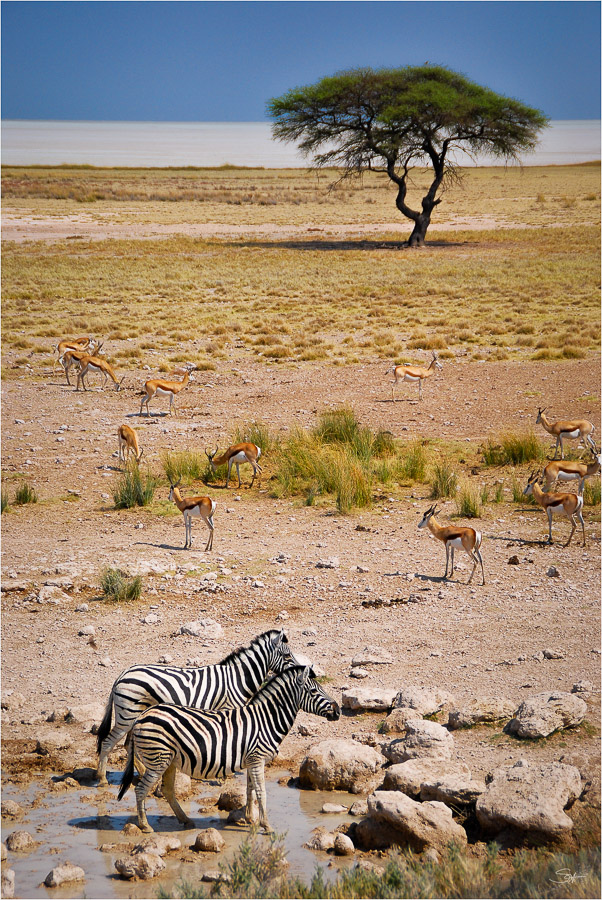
pixel 428 515
pixel 533 479
pixel 540 411
pixel 210 456
pixel 435 361
pixel 173 486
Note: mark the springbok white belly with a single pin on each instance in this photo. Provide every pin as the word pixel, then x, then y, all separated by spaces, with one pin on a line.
pixel 92 368
pixel 571 434
pixel 239 458
pixel 456 543
pixel 412 378
pixel 161 392
pixel 568 476
pixel 195 511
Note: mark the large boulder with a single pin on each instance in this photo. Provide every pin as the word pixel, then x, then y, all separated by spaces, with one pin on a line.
pixel 422 739
pixel 396 721
pixel 481 711
pixel 20 842
pixel 544 713
pixel 425 701
pixel 455 790
pixel 409 776
pixel 209 841
pixel 375 699
pixel 341 765
pixel 421 825
pixel 530 798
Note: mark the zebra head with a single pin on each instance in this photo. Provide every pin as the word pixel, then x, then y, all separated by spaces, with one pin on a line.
pixel 314 698
pixel 281 657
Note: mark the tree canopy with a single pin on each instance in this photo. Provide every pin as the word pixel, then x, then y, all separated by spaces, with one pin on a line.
pixel 392 120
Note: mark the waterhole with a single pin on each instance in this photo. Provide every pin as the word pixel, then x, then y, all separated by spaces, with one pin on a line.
pixel 72 825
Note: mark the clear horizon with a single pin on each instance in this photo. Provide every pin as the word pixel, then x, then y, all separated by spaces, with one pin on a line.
pixel 222 61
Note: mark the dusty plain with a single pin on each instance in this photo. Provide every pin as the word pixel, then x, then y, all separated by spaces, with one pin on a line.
pixel 291 301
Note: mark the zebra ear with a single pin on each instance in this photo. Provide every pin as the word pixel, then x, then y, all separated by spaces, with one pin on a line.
pixel 283 637
pixel 307 674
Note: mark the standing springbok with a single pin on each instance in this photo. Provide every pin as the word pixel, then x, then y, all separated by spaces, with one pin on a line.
pixel 194 506
pixel 70 358
pixel 96 364
pixel 571 428
pixel 128 441
pixel 162 388
pixel 569 505
pixel 454 538
pixel 237 454
pixel 414 374
pixel 571 471
pixel 84 344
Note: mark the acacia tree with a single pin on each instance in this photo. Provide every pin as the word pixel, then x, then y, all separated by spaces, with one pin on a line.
pixel 392 120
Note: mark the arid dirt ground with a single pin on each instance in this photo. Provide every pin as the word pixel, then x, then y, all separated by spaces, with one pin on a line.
pixel 473 641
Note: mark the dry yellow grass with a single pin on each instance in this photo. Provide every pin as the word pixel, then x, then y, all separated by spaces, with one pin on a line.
pixel 509 292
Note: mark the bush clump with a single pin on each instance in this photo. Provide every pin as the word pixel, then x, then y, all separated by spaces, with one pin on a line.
pixel 444 482
pixel 25 494
pixel 119 586
pixel 134 489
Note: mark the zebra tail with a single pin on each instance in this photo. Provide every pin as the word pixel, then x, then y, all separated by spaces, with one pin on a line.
pixel 128 775
pixel 105 725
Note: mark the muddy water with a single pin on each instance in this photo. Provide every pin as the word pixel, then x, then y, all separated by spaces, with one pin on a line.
pixel 74 824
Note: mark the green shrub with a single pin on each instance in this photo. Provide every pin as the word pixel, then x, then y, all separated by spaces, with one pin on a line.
pixel 259 434
pixel 468 503
pixel 513 450
pixel 25 494
pixel 187 465
pixel 119 587
pixel 444 482
pixel 5 503
pixel 413 467
pixel 133 489
pixel 498 496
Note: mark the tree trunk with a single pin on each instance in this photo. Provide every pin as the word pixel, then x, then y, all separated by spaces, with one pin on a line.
pixel 418 234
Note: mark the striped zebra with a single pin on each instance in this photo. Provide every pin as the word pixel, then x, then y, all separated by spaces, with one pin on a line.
pixel 230 683
pixel 207 744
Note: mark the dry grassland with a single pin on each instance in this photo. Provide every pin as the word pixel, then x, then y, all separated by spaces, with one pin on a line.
pixel 525 291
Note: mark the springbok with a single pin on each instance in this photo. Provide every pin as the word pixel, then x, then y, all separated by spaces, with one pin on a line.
pixel 569 505
pixel 237 454
pixel 162 388
pixel 572 428
pixel 70 358
pixel 454 538
pixel 84 344
pixel 414 374
pixel 128 441
pixel 96 364
pixel 571 471
pixel 193 506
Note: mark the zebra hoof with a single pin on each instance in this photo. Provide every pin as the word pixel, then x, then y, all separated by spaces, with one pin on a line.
pixel 188 823
pixel 146 829
pixel 102 781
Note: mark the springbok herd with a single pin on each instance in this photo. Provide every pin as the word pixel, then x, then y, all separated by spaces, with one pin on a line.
pixel 82 354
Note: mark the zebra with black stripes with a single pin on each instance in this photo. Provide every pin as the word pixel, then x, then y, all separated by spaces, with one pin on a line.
pixel 207 744
pixel 228 684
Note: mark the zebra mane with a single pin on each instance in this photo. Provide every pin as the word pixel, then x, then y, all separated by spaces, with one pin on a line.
pixel 266 637
pixel 282 677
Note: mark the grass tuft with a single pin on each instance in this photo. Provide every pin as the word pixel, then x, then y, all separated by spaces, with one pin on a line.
pixel 591 493
pixel 189 465
pixel 468 502
pixel 514 449
pixel 25 494
pixel 444 481
pixel 119 586
pixel 413 467
pixel 5 501
pixel 133 489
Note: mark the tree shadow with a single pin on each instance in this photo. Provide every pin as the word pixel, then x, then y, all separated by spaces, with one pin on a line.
pixel 325 244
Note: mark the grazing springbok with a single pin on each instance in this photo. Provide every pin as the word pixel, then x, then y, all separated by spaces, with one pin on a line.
pixel 571 428
pixel 237 454
pixel 570 505
pixel 454 539
pixel 414 374
pixel 571 471
pixel 84 344
pixel 162 388
pixel 202 507
pixel 128 441
pixel 96 364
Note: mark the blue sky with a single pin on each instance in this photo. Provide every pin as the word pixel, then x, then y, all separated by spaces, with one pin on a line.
pixel 221 61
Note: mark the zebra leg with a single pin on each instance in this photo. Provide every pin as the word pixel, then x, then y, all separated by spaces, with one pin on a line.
pixel 143 789
pixel 116 733
pixel 169 792
pixel 256 775
pixel 250 817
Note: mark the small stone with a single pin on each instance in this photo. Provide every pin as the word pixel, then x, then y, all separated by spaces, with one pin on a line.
pixel 209 841
pixel 12 700
pixel 51 742
pixel 232 797
pixel 582 687
pixel 105 661
pixel 331 808
pixel 150 619
pixel 514 561
pixel 359 808
pixel 82 607
pixel 321 840
pixel 159 844
pixel 130 829
pixel 553 572
pixel 11 810
pixel 8 883
pixel 343 845
pixel 143 866
pixel 554 654
pixel 87 631
pixel 358 672
pixel 20 842
pixel 63 874
pixel 203 628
